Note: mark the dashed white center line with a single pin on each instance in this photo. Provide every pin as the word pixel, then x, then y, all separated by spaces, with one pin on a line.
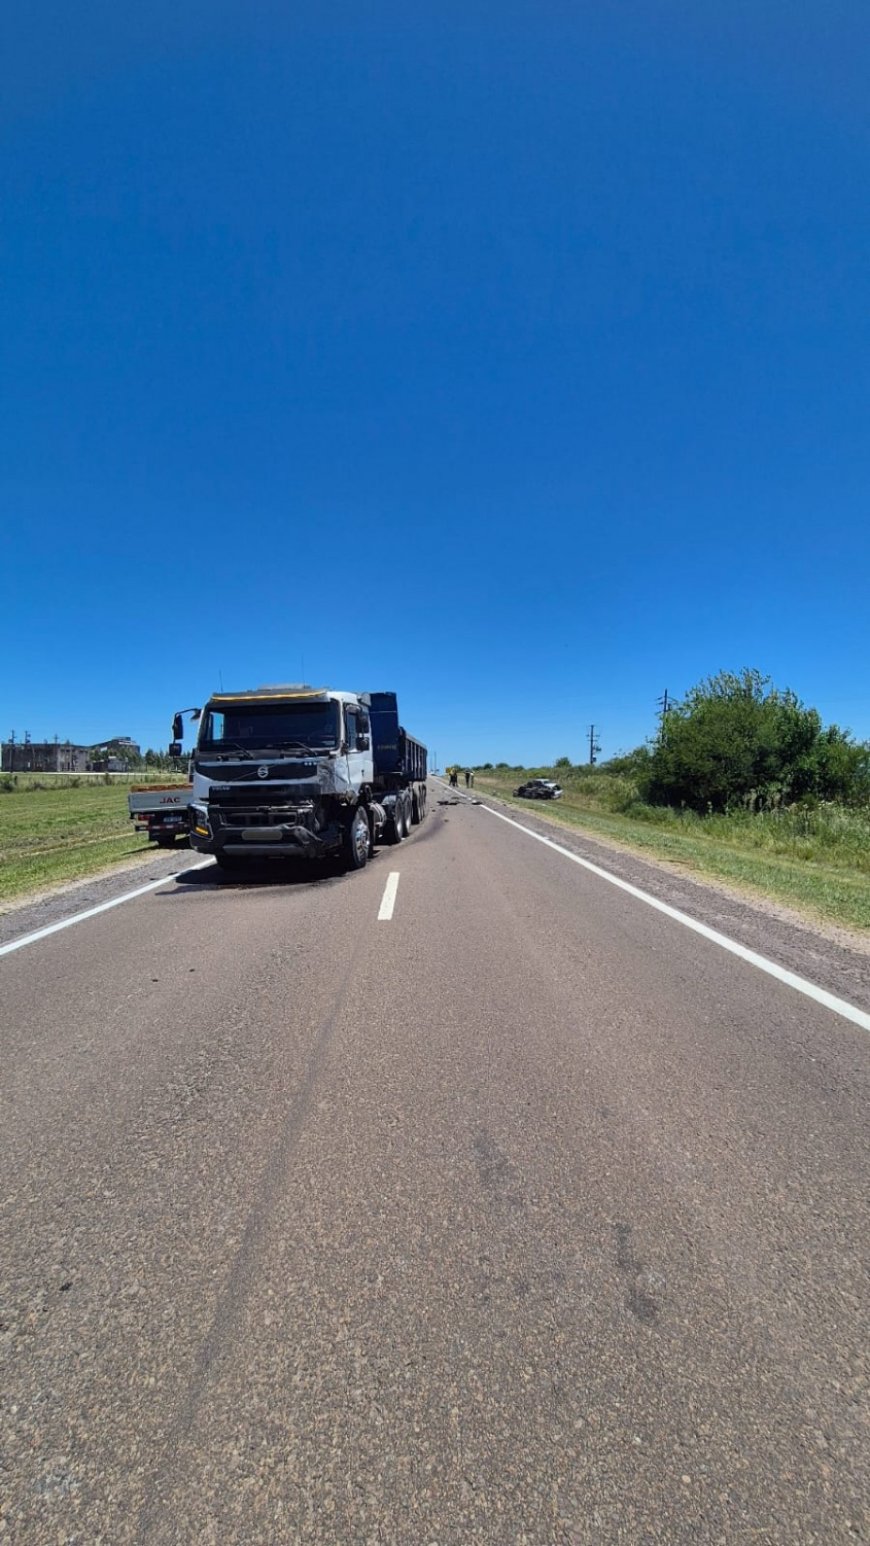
pixel 388 900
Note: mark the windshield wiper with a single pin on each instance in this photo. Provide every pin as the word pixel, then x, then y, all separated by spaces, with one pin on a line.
pixel 238 750
pixel 283 746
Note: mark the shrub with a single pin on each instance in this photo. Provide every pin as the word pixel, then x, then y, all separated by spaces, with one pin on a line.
pixel 737 741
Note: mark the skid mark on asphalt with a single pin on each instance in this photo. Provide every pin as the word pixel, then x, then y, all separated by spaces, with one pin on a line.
pixel 228 1315
pixel 646 1289
pixel 495 1171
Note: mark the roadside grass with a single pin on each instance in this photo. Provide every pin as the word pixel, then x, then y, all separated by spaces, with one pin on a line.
pixel 18 783
pixel 817 861
pixel 65 832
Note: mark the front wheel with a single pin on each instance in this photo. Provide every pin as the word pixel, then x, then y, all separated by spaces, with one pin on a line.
pixel 358 840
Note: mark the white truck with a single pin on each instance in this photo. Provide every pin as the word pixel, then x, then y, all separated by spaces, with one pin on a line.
pixel 161 811
pixel 298 771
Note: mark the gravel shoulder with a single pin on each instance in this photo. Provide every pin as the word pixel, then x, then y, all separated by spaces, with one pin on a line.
pixel 26 914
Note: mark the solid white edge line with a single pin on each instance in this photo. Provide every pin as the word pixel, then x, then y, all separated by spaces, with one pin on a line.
pixel 839 1006
pixel 91 912
pixel 388 900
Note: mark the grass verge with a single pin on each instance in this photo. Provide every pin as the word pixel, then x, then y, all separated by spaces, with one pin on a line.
pixel 819 865
pixel 66 832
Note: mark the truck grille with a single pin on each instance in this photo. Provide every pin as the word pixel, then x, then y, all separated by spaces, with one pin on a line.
pixel 231 773
pixel 241 807
pixel 242 797
pixel 249 817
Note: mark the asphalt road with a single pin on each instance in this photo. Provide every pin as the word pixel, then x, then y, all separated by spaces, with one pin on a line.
pixel 522 1216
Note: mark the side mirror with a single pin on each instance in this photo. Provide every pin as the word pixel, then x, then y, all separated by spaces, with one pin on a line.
pixel 177 728
pixel 175 748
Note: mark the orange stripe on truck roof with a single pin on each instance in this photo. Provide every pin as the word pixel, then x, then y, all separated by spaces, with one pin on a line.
pixel 248 697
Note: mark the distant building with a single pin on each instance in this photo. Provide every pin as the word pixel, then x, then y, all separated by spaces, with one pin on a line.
pixel 114 756
pixel 44 757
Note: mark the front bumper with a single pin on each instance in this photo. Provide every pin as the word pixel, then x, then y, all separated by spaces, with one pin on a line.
pixel 257 831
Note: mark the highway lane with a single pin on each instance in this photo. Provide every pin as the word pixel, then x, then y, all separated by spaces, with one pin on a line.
pixel 521 1216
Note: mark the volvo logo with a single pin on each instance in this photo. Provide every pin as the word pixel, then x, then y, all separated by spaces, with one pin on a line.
pixel 263 772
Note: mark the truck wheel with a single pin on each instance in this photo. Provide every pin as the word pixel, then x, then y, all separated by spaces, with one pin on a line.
pixel 358 840
pixel 230 861
pixel 395 826
pixel 166 842
pixel 417 809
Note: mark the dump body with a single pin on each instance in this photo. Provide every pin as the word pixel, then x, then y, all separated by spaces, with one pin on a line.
pixel 398 758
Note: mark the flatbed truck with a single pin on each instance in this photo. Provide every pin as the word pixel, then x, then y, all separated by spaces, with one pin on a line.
pixel 161 811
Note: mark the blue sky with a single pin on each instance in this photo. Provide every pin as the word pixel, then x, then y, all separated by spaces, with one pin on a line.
pixel 514 357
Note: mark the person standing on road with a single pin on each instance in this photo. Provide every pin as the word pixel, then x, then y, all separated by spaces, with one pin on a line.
pixel 454 778
pixel 467 777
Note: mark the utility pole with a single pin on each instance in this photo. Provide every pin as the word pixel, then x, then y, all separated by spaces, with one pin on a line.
pixel 594 747
pixel 664 704
pixel 12 752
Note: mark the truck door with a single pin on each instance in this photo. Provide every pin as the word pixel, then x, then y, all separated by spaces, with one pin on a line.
pixel 358 740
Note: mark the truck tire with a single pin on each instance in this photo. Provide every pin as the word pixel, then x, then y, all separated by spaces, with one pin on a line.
pixel 395 825
pixel 358 840
pixel 165 841
pixel 232 862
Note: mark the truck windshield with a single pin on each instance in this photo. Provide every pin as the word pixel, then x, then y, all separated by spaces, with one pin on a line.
pixel 272 726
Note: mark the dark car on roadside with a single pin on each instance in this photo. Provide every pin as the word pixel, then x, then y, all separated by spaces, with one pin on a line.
pixel 539 789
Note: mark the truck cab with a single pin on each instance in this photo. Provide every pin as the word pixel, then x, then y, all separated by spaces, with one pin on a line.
pixel 281 772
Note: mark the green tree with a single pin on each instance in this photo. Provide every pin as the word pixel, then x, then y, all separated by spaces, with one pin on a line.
pixel 633 764
pixel 841 767
pixel 737 740
pixel 158 759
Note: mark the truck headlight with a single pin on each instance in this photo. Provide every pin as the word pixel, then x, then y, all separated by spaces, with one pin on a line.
pixel 199 821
